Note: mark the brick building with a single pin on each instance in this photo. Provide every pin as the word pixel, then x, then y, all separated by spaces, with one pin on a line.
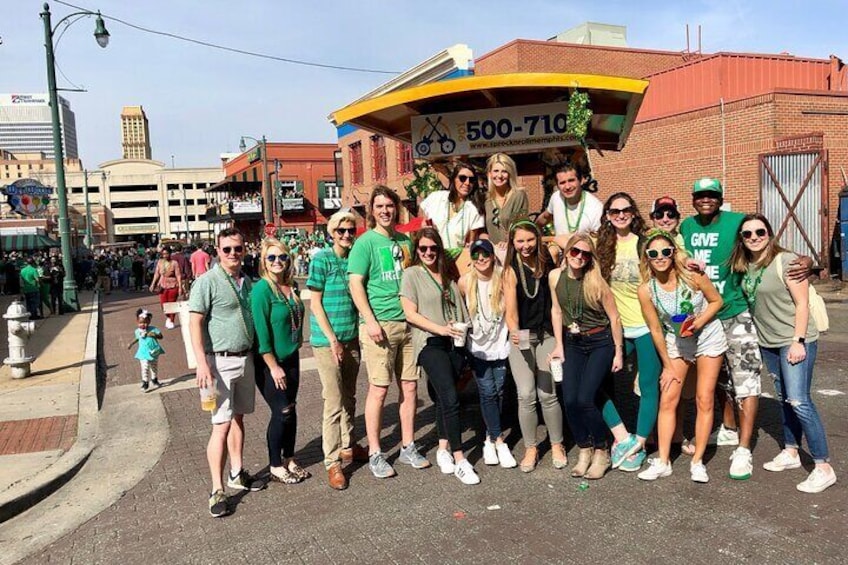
pixel 303 181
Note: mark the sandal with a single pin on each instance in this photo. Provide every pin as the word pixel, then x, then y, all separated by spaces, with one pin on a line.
pixel 298 471
pixel 558 456
pixel 285 477
pixel 530 460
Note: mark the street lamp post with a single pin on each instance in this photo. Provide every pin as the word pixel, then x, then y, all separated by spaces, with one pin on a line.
pixel 267 196
pixel 69 290
pixel 88 241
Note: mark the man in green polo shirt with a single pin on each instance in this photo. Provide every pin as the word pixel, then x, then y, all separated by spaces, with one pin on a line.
pixel 31 288
pixel 375 265
pixel 222 334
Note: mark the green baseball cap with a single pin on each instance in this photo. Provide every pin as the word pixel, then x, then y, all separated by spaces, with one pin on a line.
pixel 707 184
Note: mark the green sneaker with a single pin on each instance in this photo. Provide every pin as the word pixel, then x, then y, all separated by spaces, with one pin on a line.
pixel 633 463
pixel 219 504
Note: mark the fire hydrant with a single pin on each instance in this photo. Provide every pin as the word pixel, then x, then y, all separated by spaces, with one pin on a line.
pixel 20 330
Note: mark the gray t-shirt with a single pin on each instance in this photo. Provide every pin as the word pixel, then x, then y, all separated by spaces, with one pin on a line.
pixel 227 320
pixel 774 309
pixel 419 287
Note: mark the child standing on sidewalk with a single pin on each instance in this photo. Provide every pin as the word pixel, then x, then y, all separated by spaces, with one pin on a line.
pixel 149 349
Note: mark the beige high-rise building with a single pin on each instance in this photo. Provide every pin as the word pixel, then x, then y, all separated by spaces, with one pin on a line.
pixel 135 134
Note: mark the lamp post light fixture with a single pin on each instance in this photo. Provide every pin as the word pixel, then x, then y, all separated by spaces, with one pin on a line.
pixel 69 290
pixel 267 196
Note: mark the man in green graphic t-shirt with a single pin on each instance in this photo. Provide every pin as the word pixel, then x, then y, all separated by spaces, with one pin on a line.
pixel 710 237
pixel 376 265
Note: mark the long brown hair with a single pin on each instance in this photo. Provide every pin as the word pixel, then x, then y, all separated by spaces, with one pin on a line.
pixel 382 190
pixel 475 196
pixel 543 265
pixel 594 285
pixel 607 238
pixel 442 266
pixel 741 256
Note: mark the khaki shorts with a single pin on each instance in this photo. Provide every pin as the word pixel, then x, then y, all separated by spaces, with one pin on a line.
pixel 235 385
pixel 391 358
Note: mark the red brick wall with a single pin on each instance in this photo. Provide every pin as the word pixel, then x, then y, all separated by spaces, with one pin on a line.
pixel 550 57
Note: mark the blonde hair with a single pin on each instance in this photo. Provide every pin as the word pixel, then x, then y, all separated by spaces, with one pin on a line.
pixel 338 219
pixel 594 285
pixel 678 263
pixel 496 301
pixel 288 270
pixel 506 161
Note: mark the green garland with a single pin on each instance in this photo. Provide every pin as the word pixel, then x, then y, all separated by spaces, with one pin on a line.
pixel 424 182
pixel 579 115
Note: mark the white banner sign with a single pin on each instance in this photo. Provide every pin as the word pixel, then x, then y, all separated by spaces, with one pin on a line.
pixel 517 129
pixel 127 229
pixel 291 204
pixel 246 207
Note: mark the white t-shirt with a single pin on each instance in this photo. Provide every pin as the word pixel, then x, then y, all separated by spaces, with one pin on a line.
pixel 589 221
pixel 454 229
pixel 489 333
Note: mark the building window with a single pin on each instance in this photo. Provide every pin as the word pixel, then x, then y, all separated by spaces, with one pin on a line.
pixel 378 157
pixel 405 160
pixel 332 190
pixel 356 176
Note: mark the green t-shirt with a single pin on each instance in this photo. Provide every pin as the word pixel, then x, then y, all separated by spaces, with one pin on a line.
pixel 379 260
pixel 713 244
pixel 30 279
pixel 278 321
pixel 328 275
pixel 227 320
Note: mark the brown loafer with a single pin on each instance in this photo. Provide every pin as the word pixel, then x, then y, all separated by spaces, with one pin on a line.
pixel 356 453
pixel 336 477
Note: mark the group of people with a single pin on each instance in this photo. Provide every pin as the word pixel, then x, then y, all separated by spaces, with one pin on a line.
pixel 560 312
pixel 39 277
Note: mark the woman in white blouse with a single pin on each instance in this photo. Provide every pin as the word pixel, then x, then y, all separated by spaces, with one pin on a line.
pixel 455 212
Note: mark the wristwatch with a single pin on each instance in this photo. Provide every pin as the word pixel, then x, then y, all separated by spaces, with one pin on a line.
pixel 800 339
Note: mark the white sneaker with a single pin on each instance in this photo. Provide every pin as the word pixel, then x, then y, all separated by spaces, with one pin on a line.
pixel 727 437
pixel 505 456
pixel 169 324
pixel 782 462
pixel 465 473
pixel 818 481
pixel 656 470
pixel 445 461
pixel 490 454
pixel 699 473
pixel 741 464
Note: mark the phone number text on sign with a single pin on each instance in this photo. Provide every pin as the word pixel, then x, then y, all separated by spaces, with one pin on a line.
pixel 516 129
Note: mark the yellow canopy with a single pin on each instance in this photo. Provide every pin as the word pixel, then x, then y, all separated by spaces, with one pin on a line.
pixel 614 102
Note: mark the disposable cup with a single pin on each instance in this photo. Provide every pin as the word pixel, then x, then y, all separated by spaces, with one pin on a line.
pixel 677 322
pixel 460 341
pixel 556 369
pixel 208 398
pixel 523 339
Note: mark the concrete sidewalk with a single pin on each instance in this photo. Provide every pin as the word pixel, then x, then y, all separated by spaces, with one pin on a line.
pixel 48 421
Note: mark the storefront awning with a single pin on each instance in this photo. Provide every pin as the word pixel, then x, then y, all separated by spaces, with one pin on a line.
pixel 614 101
pixel 26 242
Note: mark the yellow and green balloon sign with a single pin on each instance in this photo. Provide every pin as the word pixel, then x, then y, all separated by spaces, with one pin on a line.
pixel 28 197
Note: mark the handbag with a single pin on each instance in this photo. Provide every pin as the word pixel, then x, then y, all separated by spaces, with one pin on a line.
pixel 818 310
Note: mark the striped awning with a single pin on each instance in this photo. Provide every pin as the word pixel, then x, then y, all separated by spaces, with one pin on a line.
pixel 26 242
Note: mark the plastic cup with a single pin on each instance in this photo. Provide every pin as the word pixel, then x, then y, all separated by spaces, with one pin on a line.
pixel 677 322
pixel 460 341
pixel 523 339
pixel 208 398
pixel 556 369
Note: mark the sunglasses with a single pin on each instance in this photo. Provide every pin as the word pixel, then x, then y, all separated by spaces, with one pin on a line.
pixel 666 252
pixel 271 258
pixel 480 255
pixel 238 249
pixel 466 178
pixel 495 219
pixel 620 211
pixel 759 232
pixel 349 231
pixel 426 248
pixel 575 252
pixel 670 214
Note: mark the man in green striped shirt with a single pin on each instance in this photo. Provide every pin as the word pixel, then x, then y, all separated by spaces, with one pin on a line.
pixel 335 344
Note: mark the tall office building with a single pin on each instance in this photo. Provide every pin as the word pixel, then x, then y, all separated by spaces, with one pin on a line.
pixel 135 134
pixel 27 127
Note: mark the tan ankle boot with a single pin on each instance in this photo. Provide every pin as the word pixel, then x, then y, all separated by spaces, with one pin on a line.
pixel 584 459
pixel 600 464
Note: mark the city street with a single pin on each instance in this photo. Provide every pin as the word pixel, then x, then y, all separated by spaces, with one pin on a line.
pixel 423 516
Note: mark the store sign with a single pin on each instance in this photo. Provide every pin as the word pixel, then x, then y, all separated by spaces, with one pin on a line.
pixel 28 197
pixel 292 204
pixel 129 229
pixel 28 99
pixel 246 207
pixel 254 155
pixel 517 129
pixel 332 203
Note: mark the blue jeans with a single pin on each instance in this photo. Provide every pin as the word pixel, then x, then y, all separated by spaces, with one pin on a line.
pixel 490 377
pixel 588 362
pixel 792 384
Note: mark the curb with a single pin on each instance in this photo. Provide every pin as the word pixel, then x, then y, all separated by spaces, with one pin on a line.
pixel 29 492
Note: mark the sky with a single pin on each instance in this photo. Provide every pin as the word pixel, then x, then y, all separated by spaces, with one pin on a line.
pixel 199 100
